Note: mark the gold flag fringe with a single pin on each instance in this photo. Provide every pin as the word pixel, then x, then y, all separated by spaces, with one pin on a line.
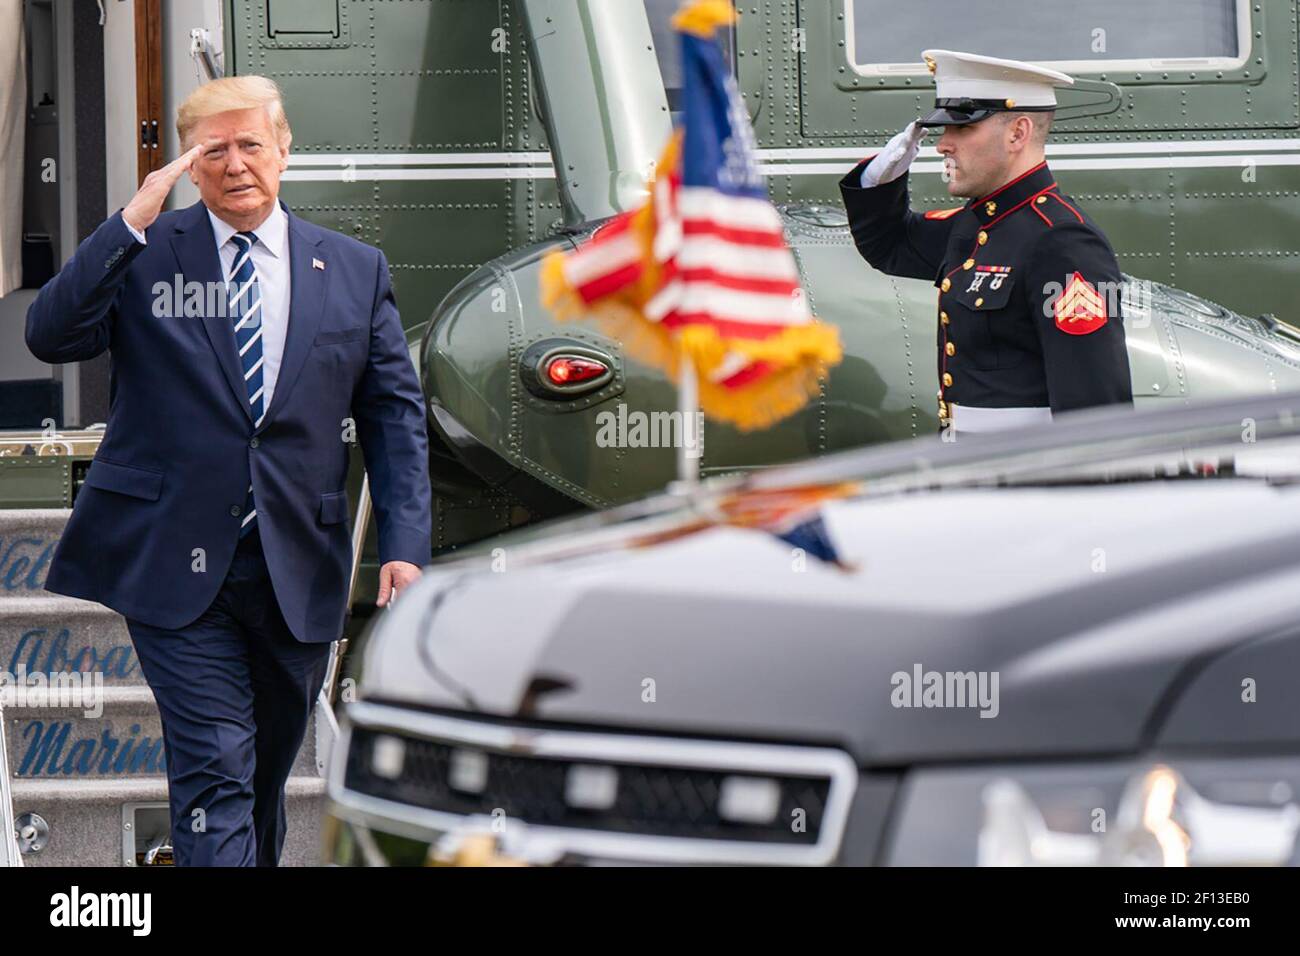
pixel 802 354
pixel 703 17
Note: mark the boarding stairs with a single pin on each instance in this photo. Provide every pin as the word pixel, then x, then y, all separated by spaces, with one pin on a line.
pixel 80 788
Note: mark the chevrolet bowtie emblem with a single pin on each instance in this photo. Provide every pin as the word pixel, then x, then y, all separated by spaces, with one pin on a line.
pixel 317 264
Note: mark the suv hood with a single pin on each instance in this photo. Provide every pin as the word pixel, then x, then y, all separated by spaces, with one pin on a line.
pixel 1090 622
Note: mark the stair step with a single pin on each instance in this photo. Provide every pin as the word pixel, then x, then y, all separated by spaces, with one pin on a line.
pixel 50 742
pixel 60 635
pixel 27 540
pixel 86 818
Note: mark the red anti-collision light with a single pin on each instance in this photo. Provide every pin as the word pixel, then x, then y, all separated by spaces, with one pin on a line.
pixel 569 370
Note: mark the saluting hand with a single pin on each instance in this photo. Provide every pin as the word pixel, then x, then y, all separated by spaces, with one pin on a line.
pixel 896 158
pixel 147 203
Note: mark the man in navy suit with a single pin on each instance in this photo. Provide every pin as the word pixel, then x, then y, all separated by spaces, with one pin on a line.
pixel 249 348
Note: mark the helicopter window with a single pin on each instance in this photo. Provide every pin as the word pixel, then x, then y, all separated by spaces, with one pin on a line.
pixel 668 49
pixel 1103 34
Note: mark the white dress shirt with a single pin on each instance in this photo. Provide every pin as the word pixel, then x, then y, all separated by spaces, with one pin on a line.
pixel 271 259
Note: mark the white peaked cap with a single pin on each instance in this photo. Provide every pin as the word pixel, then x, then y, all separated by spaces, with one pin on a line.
pixel 976 77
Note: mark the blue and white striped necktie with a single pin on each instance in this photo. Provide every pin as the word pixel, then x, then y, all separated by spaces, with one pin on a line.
pixel 246 310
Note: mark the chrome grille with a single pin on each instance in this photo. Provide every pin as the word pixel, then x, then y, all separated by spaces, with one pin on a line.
pixel 657 798
pixel 652 800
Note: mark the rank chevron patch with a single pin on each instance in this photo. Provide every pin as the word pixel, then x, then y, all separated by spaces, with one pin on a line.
pixel 1080 309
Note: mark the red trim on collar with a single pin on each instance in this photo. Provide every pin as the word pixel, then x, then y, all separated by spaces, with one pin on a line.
pixel 1042 192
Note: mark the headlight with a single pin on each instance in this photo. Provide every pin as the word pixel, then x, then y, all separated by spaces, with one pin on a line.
pixel 1184 813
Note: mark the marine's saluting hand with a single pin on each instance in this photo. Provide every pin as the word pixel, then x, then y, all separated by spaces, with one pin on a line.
pixel 147 203
pixel 896 158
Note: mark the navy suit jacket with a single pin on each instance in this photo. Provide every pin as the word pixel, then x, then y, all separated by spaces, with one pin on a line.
pixel 155 525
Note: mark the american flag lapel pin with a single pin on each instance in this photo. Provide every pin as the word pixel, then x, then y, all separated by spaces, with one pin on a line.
pixel 317 264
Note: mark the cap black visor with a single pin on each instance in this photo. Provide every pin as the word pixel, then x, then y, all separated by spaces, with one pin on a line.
pixel 948 117
pixel 962 111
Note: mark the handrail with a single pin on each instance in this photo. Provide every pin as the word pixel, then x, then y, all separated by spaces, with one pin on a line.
pixel 359 529
pixel 9 855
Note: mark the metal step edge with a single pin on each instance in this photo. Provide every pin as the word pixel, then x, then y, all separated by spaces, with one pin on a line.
pixel 113 695
pixel 47 602
pixel 149 788
pixel 33 514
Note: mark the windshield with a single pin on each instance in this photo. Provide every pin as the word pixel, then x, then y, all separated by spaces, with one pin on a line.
pixel 668 49
pixel 882 36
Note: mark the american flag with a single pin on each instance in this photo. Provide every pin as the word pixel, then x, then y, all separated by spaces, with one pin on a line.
pixel 704 265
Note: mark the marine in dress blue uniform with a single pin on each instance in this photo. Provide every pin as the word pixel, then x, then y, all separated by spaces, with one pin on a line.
pixel 1029 317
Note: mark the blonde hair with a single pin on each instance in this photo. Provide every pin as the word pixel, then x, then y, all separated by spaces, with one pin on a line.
pixel 233 93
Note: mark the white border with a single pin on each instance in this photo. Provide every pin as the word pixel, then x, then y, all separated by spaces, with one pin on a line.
pixel 348 174
pixel 1123 162
pixel 538 157
pixel 1178 154
pixel 1161 147
pixel 796 161
pixel 351 167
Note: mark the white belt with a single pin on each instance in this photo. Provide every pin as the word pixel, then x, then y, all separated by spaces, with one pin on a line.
pixel 969 418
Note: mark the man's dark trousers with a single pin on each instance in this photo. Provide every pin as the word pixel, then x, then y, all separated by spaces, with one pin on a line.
pixel 236 692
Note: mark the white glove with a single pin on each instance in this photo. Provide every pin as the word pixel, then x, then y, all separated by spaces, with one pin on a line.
pixel 894 160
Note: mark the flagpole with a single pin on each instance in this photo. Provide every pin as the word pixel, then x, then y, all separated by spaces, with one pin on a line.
pixel 688 405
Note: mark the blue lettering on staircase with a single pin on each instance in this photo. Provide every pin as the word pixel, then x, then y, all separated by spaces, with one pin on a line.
pixel 52 751
pixel 23 562
pixel 55 655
